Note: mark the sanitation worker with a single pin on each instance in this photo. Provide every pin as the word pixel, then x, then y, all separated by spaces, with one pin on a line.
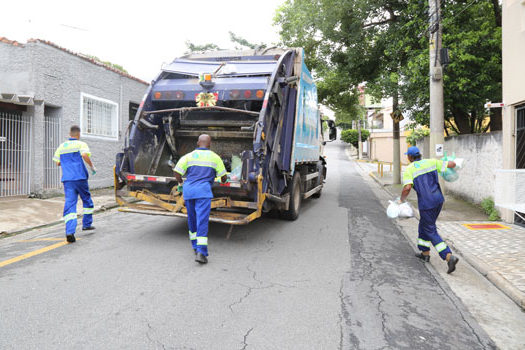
pixel 71 156
pixel 422 175
pixel 201 167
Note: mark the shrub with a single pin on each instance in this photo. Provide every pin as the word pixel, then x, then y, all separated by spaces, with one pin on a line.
pixel 351 136
pixel 416 135
pixel 488 205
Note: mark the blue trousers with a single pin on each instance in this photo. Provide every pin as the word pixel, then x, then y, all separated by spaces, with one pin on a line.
pixel 428 234
pixel 198 218
pixel 72 190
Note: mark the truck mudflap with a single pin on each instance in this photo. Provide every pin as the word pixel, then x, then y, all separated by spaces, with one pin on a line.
pixel 224 209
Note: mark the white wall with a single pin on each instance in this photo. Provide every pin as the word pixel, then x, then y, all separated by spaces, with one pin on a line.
pixel 483 155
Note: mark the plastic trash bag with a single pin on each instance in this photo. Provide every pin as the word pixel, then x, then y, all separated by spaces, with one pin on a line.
pixel 235 174
pixel 393 210
pixel 405 210
pixel 450 174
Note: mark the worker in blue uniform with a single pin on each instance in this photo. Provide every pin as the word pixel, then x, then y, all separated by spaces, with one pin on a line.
pixel 201 167
pixel 71 156
pixel 422 175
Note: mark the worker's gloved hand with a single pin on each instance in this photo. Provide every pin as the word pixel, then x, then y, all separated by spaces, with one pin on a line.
pixel 179 188
pixel 459 163
pixel 93 170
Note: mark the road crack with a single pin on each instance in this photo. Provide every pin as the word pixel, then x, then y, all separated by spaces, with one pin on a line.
pixel 244 342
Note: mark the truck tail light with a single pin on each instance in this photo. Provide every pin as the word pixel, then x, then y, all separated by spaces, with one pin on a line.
pixel 234 94
pixel 259 94
pixel 247 94
pixel 157 95
pixel 179 95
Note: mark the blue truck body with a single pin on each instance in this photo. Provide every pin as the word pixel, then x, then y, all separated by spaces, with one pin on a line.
pixel 260 108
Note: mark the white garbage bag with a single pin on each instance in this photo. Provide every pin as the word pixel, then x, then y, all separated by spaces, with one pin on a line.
pixel 393 210
pixel 405 210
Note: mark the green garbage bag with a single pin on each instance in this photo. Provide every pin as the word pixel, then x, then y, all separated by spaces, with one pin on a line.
pixel 450 174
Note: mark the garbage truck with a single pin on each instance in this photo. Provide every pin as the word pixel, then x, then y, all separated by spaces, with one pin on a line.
pixel 259 107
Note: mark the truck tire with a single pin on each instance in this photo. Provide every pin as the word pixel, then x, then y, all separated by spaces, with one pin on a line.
pixel 296 196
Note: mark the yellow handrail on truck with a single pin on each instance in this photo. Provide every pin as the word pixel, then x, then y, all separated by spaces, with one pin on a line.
pixel 173 204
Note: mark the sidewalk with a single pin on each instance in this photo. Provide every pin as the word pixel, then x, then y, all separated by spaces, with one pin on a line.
pixel 494 249
pixel 19 214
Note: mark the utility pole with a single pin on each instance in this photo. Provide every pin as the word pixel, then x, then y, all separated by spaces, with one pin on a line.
pixel 437 113
pixel 359 142
pixel 396 117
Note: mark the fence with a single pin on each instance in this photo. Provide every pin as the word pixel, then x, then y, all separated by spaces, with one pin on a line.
pixel 52 138
pixel 15 154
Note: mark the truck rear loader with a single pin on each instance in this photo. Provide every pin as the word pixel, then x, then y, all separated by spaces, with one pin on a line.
pixel 260 108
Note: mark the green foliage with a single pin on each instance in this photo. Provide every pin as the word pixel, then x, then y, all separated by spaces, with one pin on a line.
pixel 191 47
pixel 488 205
pixel 244 44
pixel 385 44
pixel 352 136
pixel 241 44
pixel 417 134
pixel 109 64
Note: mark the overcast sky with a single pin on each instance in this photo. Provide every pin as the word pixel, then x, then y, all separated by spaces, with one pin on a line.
pixel 139 35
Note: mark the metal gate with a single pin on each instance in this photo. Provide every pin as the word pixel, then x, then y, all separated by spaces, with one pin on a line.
pixel 520 150
pixel 15 154
pixel 52 139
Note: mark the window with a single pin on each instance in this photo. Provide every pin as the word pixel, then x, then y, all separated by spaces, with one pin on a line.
pixel 98 117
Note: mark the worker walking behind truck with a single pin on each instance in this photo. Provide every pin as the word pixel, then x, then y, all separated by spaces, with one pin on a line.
pixel 422 175
pixel 71 156
pixel 201 167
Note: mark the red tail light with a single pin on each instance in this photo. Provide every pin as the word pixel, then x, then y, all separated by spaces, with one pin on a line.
pixel 179 95
pixel 247 94
pixel 130 177
pixel 234 94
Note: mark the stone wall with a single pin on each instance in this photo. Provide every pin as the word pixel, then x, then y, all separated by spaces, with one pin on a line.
pixel 483 155
pixel 61 78
pixel 58 78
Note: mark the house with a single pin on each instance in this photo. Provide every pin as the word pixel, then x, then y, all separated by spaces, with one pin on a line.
pixel 44 89
pixel 381 126
pixel 513 47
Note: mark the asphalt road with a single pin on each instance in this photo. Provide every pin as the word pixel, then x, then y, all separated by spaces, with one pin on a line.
pixel 340 277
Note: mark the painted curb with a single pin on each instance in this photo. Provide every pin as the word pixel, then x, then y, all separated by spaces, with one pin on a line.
pixel 485 270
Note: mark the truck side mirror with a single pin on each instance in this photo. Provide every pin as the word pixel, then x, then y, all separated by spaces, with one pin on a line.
pixel 333 134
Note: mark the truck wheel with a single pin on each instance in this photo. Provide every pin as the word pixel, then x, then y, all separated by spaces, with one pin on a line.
pixel 296 196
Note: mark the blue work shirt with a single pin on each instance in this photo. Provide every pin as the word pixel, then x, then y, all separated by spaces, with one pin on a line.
pixel 201 167
pixel 69 154
pixel 423 176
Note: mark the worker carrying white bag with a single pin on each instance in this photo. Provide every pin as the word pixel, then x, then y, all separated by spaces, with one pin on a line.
pixel 403 210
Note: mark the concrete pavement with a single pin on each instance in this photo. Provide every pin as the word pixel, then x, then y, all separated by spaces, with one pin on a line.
pixel 342 276
pixel 19 214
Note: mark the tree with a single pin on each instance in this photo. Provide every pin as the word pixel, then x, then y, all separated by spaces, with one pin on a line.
pixel 191 47
pixel 384 43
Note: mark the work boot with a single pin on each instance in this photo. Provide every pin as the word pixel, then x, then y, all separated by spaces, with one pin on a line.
pixel 201 258
pixel 452 263
pixel 88 228
pixel 425 258
pixel 70 238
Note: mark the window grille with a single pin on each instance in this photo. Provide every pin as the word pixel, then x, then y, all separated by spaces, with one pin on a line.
pixel 99 117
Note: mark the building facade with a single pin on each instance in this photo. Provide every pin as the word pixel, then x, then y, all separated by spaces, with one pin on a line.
pixel 44 89
pixel 513 47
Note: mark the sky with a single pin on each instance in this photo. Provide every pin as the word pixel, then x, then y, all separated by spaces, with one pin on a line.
pixel 139 35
